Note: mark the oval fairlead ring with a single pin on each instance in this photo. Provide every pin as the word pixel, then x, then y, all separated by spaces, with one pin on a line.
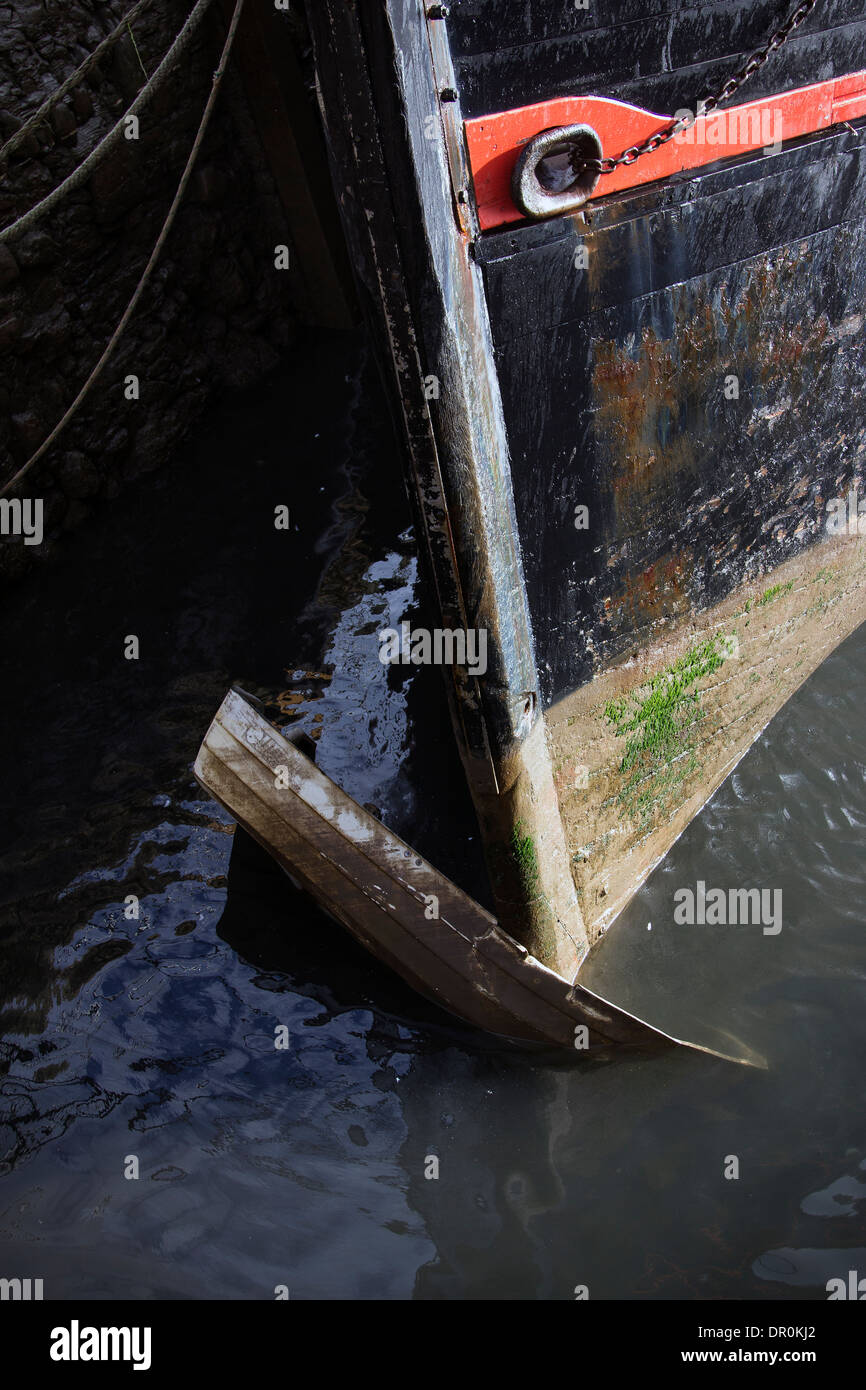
pixel 548 177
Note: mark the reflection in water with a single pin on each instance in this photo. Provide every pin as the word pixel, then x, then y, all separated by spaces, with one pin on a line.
pixel 154 1035
pixel 811 1268
pixel 839 1199
pixel 362 725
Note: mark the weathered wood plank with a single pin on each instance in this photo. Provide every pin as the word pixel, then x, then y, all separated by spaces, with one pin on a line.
pixel 391 152
pixel 384 893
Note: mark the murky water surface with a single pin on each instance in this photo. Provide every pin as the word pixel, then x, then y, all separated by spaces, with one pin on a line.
pixel 154 1037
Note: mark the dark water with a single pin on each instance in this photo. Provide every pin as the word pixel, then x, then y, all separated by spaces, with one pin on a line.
pixel 155 1037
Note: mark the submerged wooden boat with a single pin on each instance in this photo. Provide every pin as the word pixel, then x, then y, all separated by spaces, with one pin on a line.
pixel 623 336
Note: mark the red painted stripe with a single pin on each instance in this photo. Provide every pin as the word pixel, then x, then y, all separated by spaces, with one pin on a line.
pixel 494 142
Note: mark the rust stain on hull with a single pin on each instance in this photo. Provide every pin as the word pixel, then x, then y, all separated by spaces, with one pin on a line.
pixel 728 371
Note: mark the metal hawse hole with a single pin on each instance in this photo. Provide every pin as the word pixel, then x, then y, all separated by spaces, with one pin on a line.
pixel 548 177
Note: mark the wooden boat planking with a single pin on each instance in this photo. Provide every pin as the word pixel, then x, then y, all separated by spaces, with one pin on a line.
pixel 398 906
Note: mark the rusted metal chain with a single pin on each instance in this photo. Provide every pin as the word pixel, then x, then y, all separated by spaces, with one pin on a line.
pixel 151 264
pixel 83 171
pixel 72 81
pixel 755 61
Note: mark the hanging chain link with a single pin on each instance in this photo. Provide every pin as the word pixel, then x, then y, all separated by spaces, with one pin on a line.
pixel 733 84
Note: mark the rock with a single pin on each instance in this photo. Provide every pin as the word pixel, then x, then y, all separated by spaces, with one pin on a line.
pixel 213 327
pixel 48 333
pixel 30 429
pixel 228 287
pixel 64 122
pixel 56 507
pixel 29 148
pixel 112 186
pixel 9 329
pixel 76 513
pixel 47 296
pixel 8 266
pixel 125 68
pixel 82 104
pixel 78 475
pixel 36 248
pixel 116 444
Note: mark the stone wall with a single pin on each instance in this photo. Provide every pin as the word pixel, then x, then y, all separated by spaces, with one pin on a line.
pixel 216 316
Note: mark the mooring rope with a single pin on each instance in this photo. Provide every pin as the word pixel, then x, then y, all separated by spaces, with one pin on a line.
pixel 80 174
pixel 72 81
pixel 154 255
